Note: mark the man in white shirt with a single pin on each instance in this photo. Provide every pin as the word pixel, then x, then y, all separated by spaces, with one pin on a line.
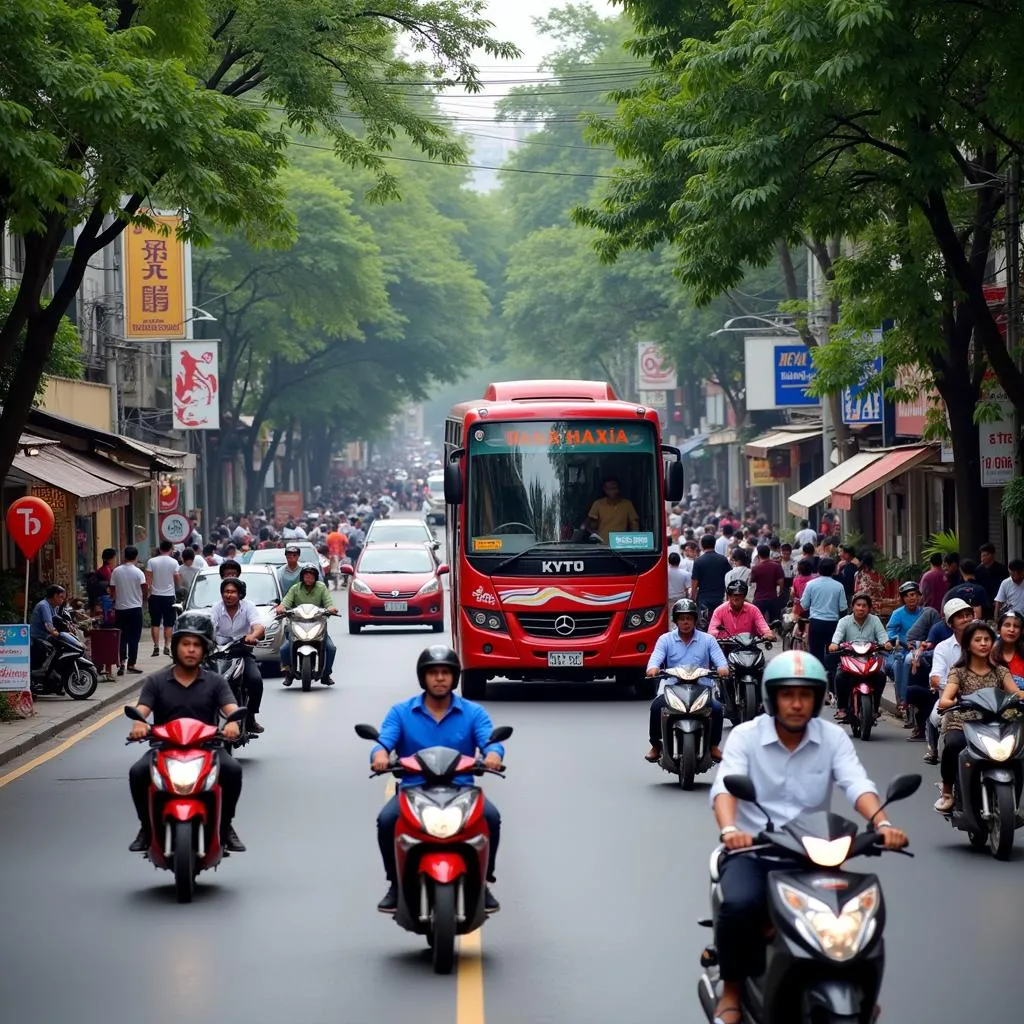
pixel 191 566
pixel 163 577
pixel 805 535
pixel 678 581
pixel 958 614
pixel 1010 596
pixel 235 618
pixel 128 589
pixel 724 541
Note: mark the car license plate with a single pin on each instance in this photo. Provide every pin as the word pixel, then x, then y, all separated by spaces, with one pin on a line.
pixel 565 659
pixel 396 606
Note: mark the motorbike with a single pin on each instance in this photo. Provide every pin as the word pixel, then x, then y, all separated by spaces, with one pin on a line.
pixel 863 663
pixel 307 629
pixel 742 690
pixel 990 773
pixel 228 660
pixel 442 846
pixel 184 798
pixel 825 955
pixel 686 724
pixel 59 664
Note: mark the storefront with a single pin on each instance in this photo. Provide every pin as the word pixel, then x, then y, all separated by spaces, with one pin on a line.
pixel 777 462
pixel 810 501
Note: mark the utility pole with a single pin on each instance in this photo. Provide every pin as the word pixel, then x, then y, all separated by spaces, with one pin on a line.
pixel 1013 533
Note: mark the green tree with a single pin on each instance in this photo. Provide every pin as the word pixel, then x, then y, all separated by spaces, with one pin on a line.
pixel 149 100
pixel 65 357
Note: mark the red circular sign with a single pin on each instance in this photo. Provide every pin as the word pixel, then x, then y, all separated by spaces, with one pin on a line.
pixel 30 523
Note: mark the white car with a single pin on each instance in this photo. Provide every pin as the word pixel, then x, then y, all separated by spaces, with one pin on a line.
pixel 435 499
pixel 402 531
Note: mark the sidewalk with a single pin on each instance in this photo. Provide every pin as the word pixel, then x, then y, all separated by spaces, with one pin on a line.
pixel 54 715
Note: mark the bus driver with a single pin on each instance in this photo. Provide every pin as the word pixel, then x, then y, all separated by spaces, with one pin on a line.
pixel 613 513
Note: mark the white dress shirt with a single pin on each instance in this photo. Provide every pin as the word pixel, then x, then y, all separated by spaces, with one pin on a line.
pixel 947 654
pixel 790 783
pixel 245 620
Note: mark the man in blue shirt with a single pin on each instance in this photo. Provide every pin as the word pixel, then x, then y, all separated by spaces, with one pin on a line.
pixel 899 662
pixel 41 627
pixel 685 647
pixel 438 717
pixel 824 600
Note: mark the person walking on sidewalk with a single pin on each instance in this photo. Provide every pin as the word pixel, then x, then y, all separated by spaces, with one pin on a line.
pixel 128 588
pixel 162 577
pixel 825 602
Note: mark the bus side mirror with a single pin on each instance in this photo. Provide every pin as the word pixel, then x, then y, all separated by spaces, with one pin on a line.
pixel 674 482
pixel 452 482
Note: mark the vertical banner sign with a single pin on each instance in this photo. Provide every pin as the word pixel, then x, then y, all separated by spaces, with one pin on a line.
pixel 196 376
pixel 155 304
pixel 860 406
pixel 996 444
pixel 15 670
pixel 653 371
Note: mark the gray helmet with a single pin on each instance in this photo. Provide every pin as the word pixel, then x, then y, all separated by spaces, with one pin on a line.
pixel 193 624
pixel 292 549
pixel 684 606
pixel 910 587
pixel 309 567
pixel 736 587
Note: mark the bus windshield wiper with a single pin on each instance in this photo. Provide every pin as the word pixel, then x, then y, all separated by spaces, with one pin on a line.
pixel 629 563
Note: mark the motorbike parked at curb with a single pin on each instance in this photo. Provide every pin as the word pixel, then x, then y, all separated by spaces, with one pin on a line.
pixel 741 692
pixel 990 771
pixel 686 724
pixel 59 664
pixel 442 845
pixel 184 797
pixel 228 660
pixel 863 663
pixel 307 631
pixel 825 955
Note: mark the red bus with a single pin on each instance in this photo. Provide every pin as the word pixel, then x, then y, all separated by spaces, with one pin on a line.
pixel 540 587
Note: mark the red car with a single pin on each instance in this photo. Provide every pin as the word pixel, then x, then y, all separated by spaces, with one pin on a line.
pixel 395 585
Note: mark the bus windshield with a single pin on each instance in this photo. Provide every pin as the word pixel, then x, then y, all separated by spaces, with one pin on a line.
pixel 572 482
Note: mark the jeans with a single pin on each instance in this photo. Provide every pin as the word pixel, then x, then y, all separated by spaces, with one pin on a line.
pixel 819 636
pixel 717 721
pixel 898 666
pixel 952 743
pixel 388 818
pixel 230 787
pixel 129 621
pixel 329 654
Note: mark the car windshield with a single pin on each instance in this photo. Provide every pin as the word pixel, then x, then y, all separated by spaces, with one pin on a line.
pixel 260 588
pixel 571 482
pixel 395 560
pixel 435 482
pixel 411 532
pixel 275 556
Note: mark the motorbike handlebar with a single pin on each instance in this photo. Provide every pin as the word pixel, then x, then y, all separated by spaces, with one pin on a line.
pixel 478 769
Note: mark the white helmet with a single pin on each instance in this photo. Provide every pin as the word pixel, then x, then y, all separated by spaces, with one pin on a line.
pixel 950 608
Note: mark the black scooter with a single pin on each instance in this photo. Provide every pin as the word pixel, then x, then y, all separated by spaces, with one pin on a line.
pixel 686 724
pixel 742 690
pixel 228 660
pixel 825 955
pixel 59 664
pixel 990 771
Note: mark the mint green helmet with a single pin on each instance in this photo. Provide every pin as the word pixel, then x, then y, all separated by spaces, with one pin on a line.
pixel 794 668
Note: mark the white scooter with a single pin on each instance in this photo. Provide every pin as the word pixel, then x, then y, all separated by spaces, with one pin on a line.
pixel 307 631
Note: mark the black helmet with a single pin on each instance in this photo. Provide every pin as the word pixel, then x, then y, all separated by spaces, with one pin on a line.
pixel 309 567
pixel 736 587
pixel 234 581
pixel 910 587
pixel 292 549
pixel 193 624
pixel 229 565
pixel 438 656
pixel 684 606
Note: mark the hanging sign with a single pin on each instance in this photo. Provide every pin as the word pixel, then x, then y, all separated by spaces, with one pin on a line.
pixel 196 376
pixel 653 372
pixel 154 268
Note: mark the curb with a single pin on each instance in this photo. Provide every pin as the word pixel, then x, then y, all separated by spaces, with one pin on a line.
pixel 88 709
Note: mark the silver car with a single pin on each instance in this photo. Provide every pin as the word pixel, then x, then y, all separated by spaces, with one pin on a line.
pixel 403 531
pixel 263 590
pixel 436 508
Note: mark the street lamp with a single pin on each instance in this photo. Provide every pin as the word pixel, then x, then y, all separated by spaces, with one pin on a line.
pixel 770 325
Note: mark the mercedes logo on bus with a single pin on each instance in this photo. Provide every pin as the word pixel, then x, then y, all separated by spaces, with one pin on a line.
pixel 565 625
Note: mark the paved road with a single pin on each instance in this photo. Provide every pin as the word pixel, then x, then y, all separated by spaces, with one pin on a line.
pixel 602 875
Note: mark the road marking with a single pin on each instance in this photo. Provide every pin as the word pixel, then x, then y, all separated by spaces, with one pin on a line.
pixel 58 750
pixel 469 982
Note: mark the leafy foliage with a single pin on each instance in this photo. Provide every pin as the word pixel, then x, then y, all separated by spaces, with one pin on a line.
pixel 65 358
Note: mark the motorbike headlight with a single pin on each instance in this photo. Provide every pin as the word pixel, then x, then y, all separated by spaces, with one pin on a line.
pixel 184 774
pixel 701 700
pixel 674 701
pixel 309 632
pixel 443 822
pixel 827 853
pixel 359 587
pixel 431 586
pixel 999 750
pixel 839 936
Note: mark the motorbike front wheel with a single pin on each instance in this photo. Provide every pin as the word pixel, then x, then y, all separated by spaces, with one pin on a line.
pixel 81 681
pixel 307 674
pixel 749 701
pixel 867 716
pixel 1001 825
pixel 184 862
pixel 443 928
pixel 688 761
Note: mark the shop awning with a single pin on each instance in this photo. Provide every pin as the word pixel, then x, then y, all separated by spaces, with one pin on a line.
pixel 761 446
pixel 801 503
pixel 691 444
pixel 727 435
pixel 889 466
pixel 96 483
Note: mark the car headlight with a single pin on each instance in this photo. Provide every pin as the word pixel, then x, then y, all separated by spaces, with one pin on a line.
pixel 359 587
pixel 999 750
pixel 673 701
pixel 484 619
pixel 641 618
pixel 184 774
pixel 270 629
pixel 839 936
pixel 431 586
pixel 443 822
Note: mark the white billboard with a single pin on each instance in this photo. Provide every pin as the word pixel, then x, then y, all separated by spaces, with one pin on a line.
pixel 196 375
pixel 653 371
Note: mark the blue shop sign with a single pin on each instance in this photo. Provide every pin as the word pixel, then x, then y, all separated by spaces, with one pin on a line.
pixel 794 373
pixel 860 406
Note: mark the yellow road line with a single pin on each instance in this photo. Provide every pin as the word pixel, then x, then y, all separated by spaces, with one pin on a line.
pixel 58 750
pixel 469 982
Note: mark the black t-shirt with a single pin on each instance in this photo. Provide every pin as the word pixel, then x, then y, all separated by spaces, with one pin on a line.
pixel 846 574
pixel 201 700
pixel 709 574
pixel 970 592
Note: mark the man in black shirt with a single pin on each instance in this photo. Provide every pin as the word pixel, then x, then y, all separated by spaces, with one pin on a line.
pixel 187 690
pixel 708 576
pixel 989 573
pixel 969 590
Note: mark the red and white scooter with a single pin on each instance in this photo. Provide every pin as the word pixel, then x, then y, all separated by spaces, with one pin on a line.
pixel 864 665
pixel 442 845
pixel 184 797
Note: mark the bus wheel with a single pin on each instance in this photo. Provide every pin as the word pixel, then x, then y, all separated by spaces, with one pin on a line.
pixel 474 684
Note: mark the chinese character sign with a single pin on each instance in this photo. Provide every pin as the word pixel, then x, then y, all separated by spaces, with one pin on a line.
pixel 196 385
pixel 154 281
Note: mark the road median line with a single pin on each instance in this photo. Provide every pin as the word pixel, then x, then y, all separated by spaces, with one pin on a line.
pixel 469 982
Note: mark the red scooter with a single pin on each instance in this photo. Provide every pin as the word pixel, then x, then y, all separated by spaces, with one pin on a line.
pixel 442 845
pixel 864 665
pixel 184 797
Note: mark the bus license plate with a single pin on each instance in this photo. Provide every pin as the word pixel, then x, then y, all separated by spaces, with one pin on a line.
pixel 565 659
pixel 396 606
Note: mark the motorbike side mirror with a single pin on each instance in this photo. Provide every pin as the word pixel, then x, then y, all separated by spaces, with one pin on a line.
pixel 237 715
pixel 132 712
pixel 178 607
pixel 347 570
pixel 499 734
pixel 901 787
pixel 366 732
pixel 443 570
pixel 742 787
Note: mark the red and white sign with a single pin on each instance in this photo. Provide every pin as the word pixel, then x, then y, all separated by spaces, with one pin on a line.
pixel 30 523
pixel 196 376
pixel 653 371
pixel 169 496
pixel 995 439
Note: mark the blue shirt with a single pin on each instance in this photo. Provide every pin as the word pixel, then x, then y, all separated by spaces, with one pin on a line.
pixel 790 783
pixel 939 632
pixel 42 617
pixel 900 622
pixel 671 651
pixel 824 598
pixel 409 728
